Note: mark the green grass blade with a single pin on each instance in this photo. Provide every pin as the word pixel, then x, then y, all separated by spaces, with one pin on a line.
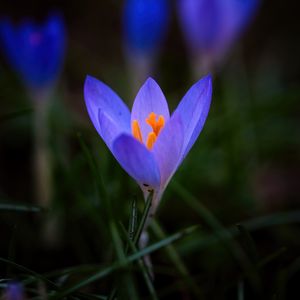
pixel 222 233
pixel 133 219
pixel 240 290
pixel 143 219
pixel 19 207
pixel 271 257
pixel 93 166
pixel 250 225
pixel 176 260
pixel 141 265
pixel 28 271
pixel 247 243
pixel 117 266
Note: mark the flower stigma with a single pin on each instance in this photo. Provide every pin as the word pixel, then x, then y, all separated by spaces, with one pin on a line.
pixel 156 124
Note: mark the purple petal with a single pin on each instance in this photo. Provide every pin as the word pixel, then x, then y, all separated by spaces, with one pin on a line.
pixel 108 128
pixel 235 17
pixel 193 110
pixel 150 98
pixel 213 25
pixel 97 96
pixel 200 21
pixel 168 149
pixel 145 24
pixel 14 291
pixel 136 160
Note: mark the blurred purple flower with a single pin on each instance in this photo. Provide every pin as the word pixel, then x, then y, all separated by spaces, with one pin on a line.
pixel 145 25
pixel 148 143
pixel 211 26
pixel 36 52
pixel 14 291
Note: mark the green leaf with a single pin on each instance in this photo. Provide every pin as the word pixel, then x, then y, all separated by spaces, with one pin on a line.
pixel 19 207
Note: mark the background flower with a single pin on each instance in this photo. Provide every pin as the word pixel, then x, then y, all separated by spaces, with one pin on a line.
pixel 210 27
pixel 14 291
pixel 145 26
pixel 35 51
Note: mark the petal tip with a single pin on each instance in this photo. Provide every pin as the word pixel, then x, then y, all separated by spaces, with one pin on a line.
pixel 90 83
pixel 150 82
pixel 207 78
pixel 205 83
pixel 89 78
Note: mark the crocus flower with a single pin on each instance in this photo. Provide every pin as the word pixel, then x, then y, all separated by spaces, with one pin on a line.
pixel 35 51
pixel 14 291
pixel 211 26
pixel 148 143
pixel 145 24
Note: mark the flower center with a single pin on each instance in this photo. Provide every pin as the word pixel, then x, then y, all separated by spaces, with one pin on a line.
pixel 156 123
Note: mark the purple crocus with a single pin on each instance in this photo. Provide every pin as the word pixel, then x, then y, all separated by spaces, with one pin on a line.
pixel 148 143
pixel 35 51
pixel 211 26
pixel 145 25
pixel 14 291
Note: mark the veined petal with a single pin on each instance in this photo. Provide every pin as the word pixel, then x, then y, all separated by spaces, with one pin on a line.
pixel 108 128
pixel 97 96
pixel 168 148
pixel 193 110
pixel 150 98
pixel 136 160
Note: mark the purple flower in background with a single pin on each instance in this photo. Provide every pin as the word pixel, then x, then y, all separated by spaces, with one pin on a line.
pixel 14 291
pixel 35 51
pixel 211 26
pixel 148 143
pixel 145 24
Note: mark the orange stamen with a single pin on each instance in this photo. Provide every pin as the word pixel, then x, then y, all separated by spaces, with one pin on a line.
pixel 151 140
pixel 156 125
pixel 136 131
pixel 156 128
pixel 160 124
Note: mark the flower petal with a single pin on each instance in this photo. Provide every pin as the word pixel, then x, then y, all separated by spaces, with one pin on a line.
pixel 51 49
pixel 150 98
pixel 200 22
pixel 97 96
pixel 168 149
pixel 193 110
pixel 145 24
pixel 108 128
pixel 235 17
pixel 136 160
